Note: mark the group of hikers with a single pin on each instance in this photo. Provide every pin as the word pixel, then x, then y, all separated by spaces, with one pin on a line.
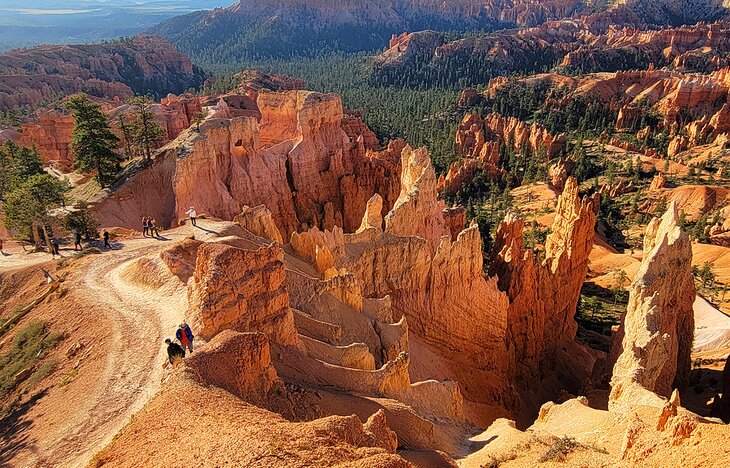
pixel 78 246
pixel 176 352
pixel 149 227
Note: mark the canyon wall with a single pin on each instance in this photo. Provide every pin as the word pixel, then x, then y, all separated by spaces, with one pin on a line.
pixel 544 293
pixel 141 65
pixel 515 323
pixel 50 130
pixel 298 160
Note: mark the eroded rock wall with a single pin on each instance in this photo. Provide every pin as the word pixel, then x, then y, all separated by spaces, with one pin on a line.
pixel 240 290
pixel 544 293
pixel 297 161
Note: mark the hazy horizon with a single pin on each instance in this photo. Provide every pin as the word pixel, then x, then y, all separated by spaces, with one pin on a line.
pixel 29 22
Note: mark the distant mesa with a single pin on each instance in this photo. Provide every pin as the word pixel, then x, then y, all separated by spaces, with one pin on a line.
pixel 142 65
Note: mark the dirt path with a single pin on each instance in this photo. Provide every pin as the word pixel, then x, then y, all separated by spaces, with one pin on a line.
pixel 135 356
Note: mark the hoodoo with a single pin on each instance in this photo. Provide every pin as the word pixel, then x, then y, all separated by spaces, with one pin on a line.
pixel 504 241
pixel 654 343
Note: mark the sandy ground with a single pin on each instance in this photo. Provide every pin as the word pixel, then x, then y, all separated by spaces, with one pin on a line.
pixel 712 327
pixel 136 322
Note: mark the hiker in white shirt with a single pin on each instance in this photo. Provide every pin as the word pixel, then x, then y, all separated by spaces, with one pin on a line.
pixel 193 214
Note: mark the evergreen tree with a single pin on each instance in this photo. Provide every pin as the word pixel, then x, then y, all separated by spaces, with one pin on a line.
pixel 17 164
pixel 82 220
pixel 145 131
pixel 700 229
pixel 27 208
pixel 6 172
pixel 705 273
pixel 682 219
pixel 94 144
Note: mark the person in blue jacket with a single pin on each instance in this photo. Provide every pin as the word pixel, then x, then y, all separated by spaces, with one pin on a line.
pixel 185 336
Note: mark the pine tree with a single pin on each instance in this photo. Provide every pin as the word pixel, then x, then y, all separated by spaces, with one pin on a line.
pixel 82 220
pixel 6 171
pixel 144 129
pixel 17 164
pixel 94 144
pixel 27 208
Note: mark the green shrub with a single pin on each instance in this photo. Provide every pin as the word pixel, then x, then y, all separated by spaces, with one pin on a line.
pixel 29 346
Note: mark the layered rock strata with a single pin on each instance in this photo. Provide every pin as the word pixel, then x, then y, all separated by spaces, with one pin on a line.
pixel 298 161
pixel 141 65
pixel 654 343
pixel 242 290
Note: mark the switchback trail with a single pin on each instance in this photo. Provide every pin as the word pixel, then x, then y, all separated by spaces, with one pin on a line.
pixel 135 355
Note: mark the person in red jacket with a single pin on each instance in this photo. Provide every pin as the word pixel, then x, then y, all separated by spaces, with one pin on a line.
pixel 185 336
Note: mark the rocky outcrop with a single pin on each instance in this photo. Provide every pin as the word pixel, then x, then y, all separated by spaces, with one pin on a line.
pixel 237 362
pixel 373 217
pixel 240 290
pixel 259 221
pixel 51 137
pixel 479 143
pixel 140 65
pixel 417 212
pixel 251 82
pixel 455 220
pixel 654 343
pixel 436 283
pixel 537 327
pixel 559 173
pixel 297 161
pixel 658 182
pixel 474 133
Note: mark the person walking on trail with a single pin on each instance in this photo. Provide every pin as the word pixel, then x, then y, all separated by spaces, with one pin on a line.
pixel 153 227
pixel 145 226
pixel 1 247
pixel 175 353
pixel 106 239
pixel 193 215
pixel 77 241
pixel 54 247
pixel 185 336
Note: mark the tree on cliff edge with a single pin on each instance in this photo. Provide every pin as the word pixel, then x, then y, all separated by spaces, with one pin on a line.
pixel 94 144
pixel 144 130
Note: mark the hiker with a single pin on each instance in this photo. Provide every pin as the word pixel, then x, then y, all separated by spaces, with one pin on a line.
pixel 106 239
pixel 185 336
pixel 54 247
pixel 77 241
pixel 193 214
pixel 1 246
pixel 145 226
pixel 153 227
pixel 174 352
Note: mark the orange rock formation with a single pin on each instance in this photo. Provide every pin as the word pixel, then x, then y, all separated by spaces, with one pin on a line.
pixel 298 161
